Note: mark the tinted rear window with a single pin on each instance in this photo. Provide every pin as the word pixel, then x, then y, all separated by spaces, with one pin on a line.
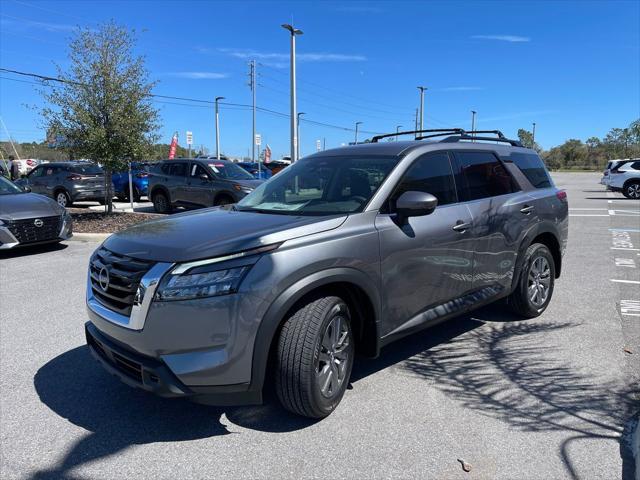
pixel 88 169
pixel 532 167
pixel 484 175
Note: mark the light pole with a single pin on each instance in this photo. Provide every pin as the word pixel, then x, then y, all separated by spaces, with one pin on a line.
pixel 422 89
pixel 473 122
pixel 294 130
pixel 357 123
pixel 218 128
pixel 397 130
pixel 298 126
pixel 533 135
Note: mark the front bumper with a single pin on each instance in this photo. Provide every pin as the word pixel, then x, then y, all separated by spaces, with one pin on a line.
pixel 8 240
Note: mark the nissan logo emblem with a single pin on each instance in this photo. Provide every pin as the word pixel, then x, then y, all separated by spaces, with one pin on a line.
pixel 38 223
pixel 103 278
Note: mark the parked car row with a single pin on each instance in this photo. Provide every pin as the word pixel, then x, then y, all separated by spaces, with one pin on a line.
pixel 213 182
pixel 623 176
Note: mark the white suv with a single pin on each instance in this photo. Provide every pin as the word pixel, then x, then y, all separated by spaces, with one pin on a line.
pixel 624 177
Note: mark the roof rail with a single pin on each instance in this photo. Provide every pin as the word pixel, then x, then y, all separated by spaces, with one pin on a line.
pixel 439 131
pixel 466 136
pixel 495 132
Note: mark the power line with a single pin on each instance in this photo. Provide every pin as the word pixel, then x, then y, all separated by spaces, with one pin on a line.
pixel 46 78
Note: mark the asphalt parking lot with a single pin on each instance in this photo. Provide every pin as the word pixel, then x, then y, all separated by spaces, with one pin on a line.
pixel 545 398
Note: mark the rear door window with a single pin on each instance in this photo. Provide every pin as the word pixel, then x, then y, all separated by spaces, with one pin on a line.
pixel 430 173
pixel 483 176
pixel 533 168
pixel 178 169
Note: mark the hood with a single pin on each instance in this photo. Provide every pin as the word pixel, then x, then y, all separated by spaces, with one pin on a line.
pixel 27 205
pixel 249 183
pixel 211 233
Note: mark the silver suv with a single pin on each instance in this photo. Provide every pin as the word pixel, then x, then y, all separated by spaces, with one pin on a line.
pixel 341 253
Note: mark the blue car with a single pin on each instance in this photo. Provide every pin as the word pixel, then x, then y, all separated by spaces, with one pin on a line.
pixel 140 177
pixel 252 168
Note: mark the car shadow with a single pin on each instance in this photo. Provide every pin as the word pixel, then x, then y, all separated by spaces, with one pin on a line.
pixel 32 250
pixel 489 361
pixel 621 197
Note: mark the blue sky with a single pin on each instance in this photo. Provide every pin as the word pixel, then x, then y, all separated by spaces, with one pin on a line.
pixel 571 67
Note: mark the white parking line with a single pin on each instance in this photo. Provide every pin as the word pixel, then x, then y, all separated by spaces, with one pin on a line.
pixel 635 282
pixel 623 248
pixel 587 215
pixel 605 209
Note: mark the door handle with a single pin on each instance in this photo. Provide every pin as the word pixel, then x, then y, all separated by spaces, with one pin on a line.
pixel 527 209
pixel 461 226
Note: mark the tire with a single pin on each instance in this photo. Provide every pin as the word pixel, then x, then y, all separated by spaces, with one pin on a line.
pixel 313 365
pixel 62 198
pixel 161 203
pixel 632 190
pixel 538 277
pixel 136 193
pixel 223 200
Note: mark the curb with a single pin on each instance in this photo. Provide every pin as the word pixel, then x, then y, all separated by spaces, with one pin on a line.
pixel 89 237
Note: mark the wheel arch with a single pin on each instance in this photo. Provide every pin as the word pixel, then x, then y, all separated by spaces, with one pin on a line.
pixel 360 293
pixel 629 181
pixel 548 235
pixel 224 193
pixel 160 189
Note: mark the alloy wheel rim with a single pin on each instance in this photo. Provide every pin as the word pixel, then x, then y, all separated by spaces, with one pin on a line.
pixel 62 200
pixel 334 357
pixel 634 190
pixel 539 281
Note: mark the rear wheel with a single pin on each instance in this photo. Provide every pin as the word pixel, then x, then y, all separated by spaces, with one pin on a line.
pixel 632 190
pixel 223 200
pixel 63 198
pixel 161 203
pixel 314 357
pixel 136 193
pixel 535 286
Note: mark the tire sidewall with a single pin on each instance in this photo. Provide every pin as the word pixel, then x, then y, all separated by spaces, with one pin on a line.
pixel 161 206
pixel 534 252
pixel 319 401
pixel 626 188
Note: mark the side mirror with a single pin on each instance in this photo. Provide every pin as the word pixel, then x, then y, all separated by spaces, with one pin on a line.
pixel 26 188
pixel 204 177
pixel 415 204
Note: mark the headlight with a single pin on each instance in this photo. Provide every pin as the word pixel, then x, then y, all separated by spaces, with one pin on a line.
pixel 200 284
pixel 242 188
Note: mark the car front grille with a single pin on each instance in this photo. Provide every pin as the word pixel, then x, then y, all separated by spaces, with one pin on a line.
pixel 117 286
pixel 32 230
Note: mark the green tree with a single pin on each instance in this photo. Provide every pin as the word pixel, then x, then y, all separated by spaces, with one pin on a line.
pixel 103 108
pixel 525 137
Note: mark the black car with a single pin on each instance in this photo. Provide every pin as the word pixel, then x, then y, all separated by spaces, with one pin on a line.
pixel 28 219
pixel 196 183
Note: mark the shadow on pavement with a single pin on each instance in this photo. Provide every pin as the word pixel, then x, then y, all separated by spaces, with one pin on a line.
pixel 505 370
pixel 32 250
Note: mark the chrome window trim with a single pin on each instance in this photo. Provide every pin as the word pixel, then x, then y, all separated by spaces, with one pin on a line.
pixel 140 308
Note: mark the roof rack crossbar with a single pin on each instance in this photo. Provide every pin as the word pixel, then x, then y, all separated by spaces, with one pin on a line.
pixel 495 132
pixel 376 138
pixel 465 136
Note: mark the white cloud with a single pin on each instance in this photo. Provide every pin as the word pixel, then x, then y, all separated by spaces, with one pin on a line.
pixel 41 26
pixel 502 38
pixel 199 75
pixel 283 58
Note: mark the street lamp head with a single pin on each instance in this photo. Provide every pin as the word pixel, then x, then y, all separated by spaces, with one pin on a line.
pixel 422 89
pixel 218 98
pixel 292 29
pixel 301 113
pixel 358 123
pixel 474 112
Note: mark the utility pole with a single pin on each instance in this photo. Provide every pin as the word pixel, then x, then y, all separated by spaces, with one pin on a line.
pixel 397 130
pixel 298 127
pixel 294 129
pixel 324 143
pixel 533 135
pixel 218 128
pixel 357 123
pixel 416 123
pixel 422 89
pixel 253 84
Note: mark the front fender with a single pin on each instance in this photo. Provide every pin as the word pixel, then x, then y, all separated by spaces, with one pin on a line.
pixel 287 299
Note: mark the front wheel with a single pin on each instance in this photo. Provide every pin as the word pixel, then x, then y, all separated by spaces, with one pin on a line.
pixel 315 357
pixel 535 285
pixel 632 190
pixel 161 203
pixel 63 199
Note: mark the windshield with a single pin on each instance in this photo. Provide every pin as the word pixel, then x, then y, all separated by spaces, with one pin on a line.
pixel 8 188
pixel 321 186
pixel 88 169
pixel 229 171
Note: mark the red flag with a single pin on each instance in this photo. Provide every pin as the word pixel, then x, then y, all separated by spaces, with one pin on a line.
pixel 267 154
pixel 174 146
